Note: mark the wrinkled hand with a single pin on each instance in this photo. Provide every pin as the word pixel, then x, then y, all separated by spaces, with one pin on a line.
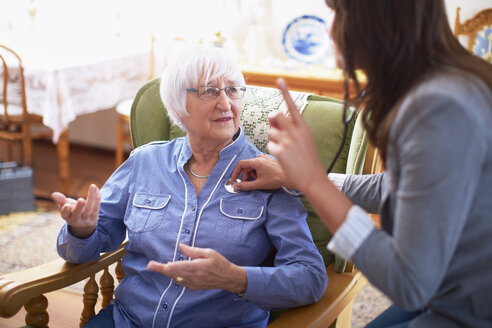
pixel 263 172
pixel 207 270
pixel 292 143
pixel 81 215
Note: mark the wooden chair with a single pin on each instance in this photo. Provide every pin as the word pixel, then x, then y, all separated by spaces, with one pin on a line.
pixel 148 122
pixel 478 29
pixel 17 125
pixel 15 121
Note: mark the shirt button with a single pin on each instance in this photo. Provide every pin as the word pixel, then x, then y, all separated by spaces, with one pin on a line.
pixel 187 230
pixel 147 201
pixel 240 210
pixel 193 209
pixel 164 305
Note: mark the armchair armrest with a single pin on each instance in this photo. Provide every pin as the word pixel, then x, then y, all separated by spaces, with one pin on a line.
pixel 334 307
pixel 26 288
pixel 17 289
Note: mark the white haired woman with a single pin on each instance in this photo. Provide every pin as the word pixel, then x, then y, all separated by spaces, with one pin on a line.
pixel 197 254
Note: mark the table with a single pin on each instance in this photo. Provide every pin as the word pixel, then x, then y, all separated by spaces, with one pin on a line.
pixel 313 78
pixel 70 76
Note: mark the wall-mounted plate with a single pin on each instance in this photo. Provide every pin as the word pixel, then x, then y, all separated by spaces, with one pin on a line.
pixel 306 39
pixel 482 46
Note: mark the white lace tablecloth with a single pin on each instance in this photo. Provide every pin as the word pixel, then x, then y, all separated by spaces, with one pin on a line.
pixel 66 78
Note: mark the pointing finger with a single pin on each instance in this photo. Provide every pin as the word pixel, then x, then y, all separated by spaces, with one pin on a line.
pixel 293 110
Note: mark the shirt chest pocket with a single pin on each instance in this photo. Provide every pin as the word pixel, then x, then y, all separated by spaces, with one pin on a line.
pixel 238 220
pixel 147 212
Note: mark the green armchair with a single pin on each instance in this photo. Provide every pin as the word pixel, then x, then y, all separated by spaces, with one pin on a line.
pixel 149 122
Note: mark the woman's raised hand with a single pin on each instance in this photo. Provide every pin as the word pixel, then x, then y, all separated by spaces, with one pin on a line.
pixel 292 143
pixel 81 214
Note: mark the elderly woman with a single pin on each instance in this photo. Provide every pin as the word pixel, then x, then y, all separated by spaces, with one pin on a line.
pixel 198 255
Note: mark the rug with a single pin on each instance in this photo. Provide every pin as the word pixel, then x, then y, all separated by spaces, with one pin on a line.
pixel 29 239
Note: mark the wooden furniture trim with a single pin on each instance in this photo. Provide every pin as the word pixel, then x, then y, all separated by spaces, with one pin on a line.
pixel 339 294
pixel 471 26
pixel 19 288
pixel 321 85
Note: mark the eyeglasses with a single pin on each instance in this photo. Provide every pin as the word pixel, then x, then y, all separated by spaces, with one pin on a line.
pixel 233 92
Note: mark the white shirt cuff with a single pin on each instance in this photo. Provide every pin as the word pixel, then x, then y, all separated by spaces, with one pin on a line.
pixel 352 233
pixel 338 179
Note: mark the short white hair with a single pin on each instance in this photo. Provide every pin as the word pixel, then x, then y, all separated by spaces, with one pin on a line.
pixel 191 65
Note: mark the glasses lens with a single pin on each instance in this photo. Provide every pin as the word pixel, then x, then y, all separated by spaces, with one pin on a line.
pixel 235 92
pixel 208 92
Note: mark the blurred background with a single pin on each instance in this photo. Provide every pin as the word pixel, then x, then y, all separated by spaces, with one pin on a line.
pixel 253 30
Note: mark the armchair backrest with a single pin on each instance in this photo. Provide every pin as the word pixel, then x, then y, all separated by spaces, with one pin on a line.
pixel 149 122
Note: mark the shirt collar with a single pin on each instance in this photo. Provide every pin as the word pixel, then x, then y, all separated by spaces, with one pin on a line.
pixel 226 152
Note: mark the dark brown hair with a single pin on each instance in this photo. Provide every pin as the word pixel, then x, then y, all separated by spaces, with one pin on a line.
pixel 395 43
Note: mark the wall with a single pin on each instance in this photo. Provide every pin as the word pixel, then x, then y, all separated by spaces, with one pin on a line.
pixel 468 8
pixel 99 129
pixel 96 129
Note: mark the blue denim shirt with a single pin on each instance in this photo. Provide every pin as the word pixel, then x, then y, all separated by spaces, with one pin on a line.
pixel 151 197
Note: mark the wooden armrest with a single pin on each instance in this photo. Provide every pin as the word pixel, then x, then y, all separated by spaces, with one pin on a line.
pixel 341 290
pixel 17 288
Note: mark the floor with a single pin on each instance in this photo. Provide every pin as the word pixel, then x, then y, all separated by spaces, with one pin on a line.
pixel 88 165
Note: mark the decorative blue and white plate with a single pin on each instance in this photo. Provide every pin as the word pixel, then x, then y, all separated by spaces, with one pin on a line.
pixel 306 39
pixel 482 46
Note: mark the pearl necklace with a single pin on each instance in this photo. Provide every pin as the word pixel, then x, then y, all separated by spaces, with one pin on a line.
pixel 196 175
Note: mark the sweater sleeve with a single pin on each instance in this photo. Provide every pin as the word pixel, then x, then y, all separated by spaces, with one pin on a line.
pixel 436 149
pixel 364 190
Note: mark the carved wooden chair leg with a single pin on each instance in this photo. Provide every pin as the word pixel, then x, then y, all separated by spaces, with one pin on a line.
pixel 107 287
pixel 63 152
pixel 36 315
pixel 118 270
pixel 27 144
pixel 10 152
pixel 90 299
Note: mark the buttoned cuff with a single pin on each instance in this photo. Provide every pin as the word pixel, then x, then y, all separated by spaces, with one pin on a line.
pixel 72 248
pixel 255 289
pixel 338 179
pixel 352 233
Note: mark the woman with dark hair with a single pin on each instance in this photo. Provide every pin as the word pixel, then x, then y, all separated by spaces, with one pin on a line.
pixel 428 110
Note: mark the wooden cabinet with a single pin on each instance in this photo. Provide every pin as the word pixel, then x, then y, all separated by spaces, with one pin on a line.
pixel 318 80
